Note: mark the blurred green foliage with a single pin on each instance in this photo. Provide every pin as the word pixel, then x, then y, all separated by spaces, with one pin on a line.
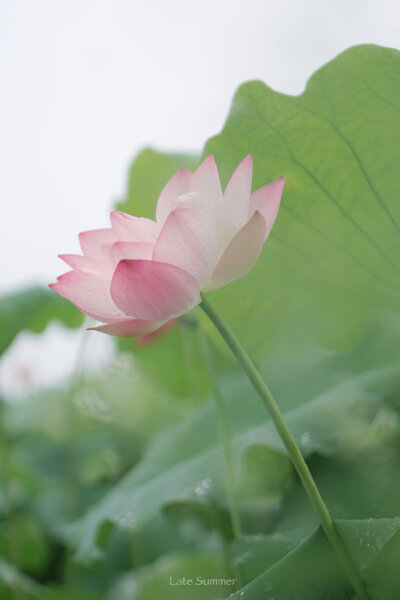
pixel 113 483
pixel 32 309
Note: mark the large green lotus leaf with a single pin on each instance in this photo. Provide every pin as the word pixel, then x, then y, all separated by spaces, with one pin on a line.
pixel 365 539
pixel 354 485
pixel 334 403
pixel 264 562
pixel 384 573
pixel 33 308
pixel 334 254
pixel 307 569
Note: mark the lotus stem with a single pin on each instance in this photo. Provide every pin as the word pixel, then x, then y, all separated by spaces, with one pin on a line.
pixel 292 449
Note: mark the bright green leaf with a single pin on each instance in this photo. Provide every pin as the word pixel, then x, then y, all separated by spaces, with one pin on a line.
pixel 333 258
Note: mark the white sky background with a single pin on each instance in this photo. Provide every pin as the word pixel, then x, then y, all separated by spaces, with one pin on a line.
pixel 86 84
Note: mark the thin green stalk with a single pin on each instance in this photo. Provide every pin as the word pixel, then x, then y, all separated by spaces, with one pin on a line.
pixel 292 449
pixel 223 424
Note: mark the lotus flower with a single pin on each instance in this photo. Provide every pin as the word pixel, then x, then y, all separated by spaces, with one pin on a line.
pixel 140 273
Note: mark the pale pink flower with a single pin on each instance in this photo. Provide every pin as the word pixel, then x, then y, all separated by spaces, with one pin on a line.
pixel 139 273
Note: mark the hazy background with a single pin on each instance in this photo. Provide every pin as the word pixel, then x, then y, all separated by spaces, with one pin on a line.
pixel 87 84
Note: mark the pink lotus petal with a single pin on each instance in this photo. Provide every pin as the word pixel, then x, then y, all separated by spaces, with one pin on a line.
pixel 191 200
pixel 129 328
pixel 96 242
pixel 176 186
pixel 267 200
pixel 132 250
pixel 205 180
pixel 141 273
pixel 188 238
pixel 153 290
pixel 153 336
pixel 101 269
pixel 242 253
pixel 90 294
pixel 235 206
pixel 133 229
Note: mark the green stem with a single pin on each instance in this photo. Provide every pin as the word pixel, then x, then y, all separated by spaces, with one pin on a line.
pixel 223 424
pixel 292 449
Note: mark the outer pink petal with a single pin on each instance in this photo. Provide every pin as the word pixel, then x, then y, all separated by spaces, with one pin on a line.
pixel 235 209
pixel 188 238
pixel 205 180
pixel 90 294
pixel 133 229
pixel 242 253
pixel 153 290
pixel 129 328
pixel 267 200
pixel 151 337
pixel 97 242
pixel 176 186
pixel 87 265
pixel 132 250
